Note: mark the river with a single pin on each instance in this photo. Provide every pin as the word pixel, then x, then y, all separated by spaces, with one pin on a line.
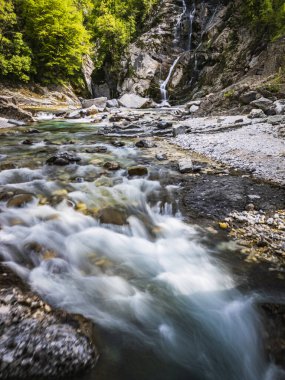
pixel 164 303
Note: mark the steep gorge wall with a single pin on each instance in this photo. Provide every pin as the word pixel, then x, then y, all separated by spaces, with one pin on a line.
pixel 225 53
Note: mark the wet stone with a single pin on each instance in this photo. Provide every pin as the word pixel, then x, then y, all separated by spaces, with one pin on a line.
pixel 118 143
pixel 145 144
pixel 111 215
pixel 161 156
pixel 137 171
pixel 20 200
pixel 97 149
pixel 63 158
pixel 35 342
pixel 164 125
pixel 112 165
pixel 7 166
pixel 27 142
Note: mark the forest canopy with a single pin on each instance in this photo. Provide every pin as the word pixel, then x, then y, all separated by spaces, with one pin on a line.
pixel 45 40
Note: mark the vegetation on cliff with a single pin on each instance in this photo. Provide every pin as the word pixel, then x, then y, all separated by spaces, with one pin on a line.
pixel 45 40
pixel 267 15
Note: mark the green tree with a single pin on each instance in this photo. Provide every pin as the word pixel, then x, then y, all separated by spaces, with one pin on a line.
pixel 114 23
pixel 55 32
pixel 15 56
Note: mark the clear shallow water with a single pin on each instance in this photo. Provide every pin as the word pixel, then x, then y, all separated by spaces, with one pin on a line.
pixel 164 306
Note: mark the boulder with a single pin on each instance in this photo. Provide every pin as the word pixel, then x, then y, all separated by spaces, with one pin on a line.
pixel 249 97
pixel 256 113
pixel 262 103
pixel 113 103
pixel 179 130
pixel 185 166
pixel 11 111
pixel 137 171
pixel 134 101
pixel 100 103
pixel 280 106
pixel 112 165
pixel 93 110
pixel 194 108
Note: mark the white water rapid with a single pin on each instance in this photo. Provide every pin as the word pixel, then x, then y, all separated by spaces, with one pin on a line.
pixel 150 280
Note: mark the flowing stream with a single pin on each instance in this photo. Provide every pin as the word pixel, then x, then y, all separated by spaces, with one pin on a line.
pixel 163 303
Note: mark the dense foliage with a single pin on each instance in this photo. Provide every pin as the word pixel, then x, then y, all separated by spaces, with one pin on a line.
pixel 15 55
pixel 113 24
pixel 268 15
pixel 45 40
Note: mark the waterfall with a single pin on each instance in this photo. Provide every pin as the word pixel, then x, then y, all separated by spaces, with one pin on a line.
pixel 163 86
pixel 191 19
pixel 190 15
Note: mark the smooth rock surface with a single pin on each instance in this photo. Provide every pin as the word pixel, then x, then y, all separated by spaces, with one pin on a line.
pixel 133 101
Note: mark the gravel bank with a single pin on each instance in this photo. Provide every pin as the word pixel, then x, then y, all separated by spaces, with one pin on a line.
pixel 257 147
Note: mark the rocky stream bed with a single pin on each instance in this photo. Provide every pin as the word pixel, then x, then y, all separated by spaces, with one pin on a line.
pixel 86 202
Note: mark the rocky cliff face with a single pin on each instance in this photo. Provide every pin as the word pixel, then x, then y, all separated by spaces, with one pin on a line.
pixel 214 50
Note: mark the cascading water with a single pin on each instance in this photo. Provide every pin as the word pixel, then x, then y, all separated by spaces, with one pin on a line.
pixel 164 85
pixel 149 284
pixel 187 14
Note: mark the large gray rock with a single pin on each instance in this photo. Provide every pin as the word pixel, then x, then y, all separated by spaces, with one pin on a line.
pixel 134 101
pixel 249 97
pixel 194 108
pixel 36 342
pixel 11 111
pixel 256 113
pixel 185 166
pixel 280 106
pixel 112 103
pixel 100 103
pixel 179 130
pixel 262 103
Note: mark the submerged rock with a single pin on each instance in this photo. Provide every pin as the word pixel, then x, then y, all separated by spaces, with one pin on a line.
pixel 20 200
pixel 112 165
pixel 137 171
pixel 97 149
pixel 118 143
pixel 111 215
